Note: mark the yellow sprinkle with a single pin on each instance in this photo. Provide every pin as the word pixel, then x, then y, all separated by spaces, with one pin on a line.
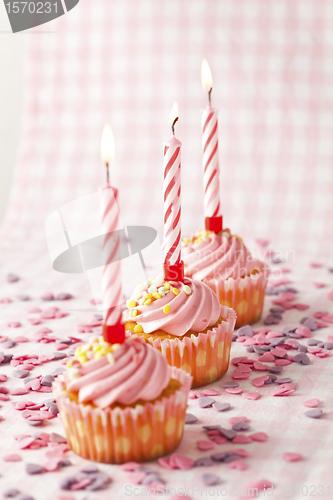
pixel 98 355
pixel 147 302
pixel 82 358
pixel 77 351
pixel 110 358
pixel 175 291
pixel 134 313
pixel 157 295
pixel 198 240
pixel 138 329
pixel 148 296
pixel 131 303
pixel 166 309
pixel 68 364
pixel 186 240
pixel 167 285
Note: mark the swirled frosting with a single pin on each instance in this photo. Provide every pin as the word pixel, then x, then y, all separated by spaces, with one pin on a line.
pixel 126 373
pixel 174 307
pixel 218 256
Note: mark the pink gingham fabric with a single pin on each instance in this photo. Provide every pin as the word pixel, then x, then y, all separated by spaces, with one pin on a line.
pixel 125 63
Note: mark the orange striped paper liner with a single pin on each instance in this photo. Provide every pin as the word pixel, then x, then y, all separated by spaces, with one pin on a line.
pixel 204 356
pixel 118 435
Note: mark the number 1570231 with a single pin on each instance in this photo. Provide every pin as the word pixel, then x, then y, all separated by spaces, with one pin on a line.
pixel 31 7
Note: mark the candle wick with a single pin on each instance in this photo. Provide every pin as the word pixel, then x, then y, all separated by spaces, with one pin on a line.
pixel 209 96
pixel 173 125
pixel 107 173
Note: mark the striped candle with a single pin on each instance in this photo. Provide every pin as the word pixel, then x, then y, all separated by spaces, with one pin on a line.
pixel 210 142
pixel 113 328
pixel 172 190
pixel 112 289
pixel 211 169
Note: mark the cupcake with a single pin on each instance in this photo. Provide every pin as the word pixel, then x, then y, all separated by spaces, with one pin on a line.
pixel 223 262
pixel 122 402
pixel 186 322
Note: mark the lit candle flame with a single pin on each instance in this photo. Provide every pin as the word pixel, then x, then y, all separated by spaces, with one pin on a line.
pixel 174 116
pixel 107 145
pixel 174 113
pixel 206 76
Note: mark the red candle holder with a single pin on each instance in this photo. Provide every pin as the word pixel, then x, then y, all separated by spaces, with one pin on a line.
pixel 174 272
pixel 114 334
pixel 214 224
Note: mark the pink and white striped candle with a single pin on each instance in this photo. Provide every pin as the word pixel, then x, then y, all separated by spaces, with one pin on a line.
pixel 172 198
pixel 113 328
pixel 211 169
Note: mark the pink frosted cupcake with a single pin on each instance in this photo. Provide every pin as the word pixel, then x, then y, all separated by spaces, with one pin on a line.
pixel 223 262
pixel 122 402
pixel 186 322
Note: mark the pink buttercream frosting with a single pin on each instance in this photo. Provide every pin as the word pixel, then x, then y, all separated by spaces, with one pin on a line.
pixel 195 308
pixel 218 256
pixel 134 371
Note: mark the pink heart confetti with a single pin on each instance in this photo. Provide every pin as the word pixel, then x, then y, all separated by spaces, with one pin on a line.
pixel 14 457
pixel 210 392
pixel 279 352
pixel 251 395
pixel 204 445
pixel 272 334
pixel 260 366
pixel 260 381
pixel 320 314
pixel 137 477
pixel 242 439
pixel 319 285
pixel 235 390
pixel 241 452
pixel 292 457
pixel 181 462
pixel 328 318
pixel 267 356
pixel 130 466
pixel 311 403
pixel 235 361
pixel 18 391
pixel 282 362
pixel 301 307
pixel 330 295
pixel 235 420
pixel 258 436
pixel 304 331
pixel 218 439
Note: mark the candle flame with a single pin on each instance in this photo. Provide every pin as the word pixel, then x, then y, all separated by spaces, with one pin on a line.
pixel 107 145
pixel 206 76
pixel 174 113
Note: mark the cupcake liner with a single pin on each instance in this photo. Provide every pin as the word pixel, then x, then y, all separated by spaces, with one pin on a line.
pixel 117 435
pixel 244 295
pixel 204 356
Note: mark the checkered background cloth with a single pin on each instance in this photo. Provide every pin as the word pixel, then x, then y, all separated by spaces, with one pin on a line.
pixel 126 62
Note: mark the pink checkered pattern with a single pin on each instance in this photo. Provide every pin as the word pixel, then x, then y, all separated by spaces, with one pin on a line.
pixel 125 63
